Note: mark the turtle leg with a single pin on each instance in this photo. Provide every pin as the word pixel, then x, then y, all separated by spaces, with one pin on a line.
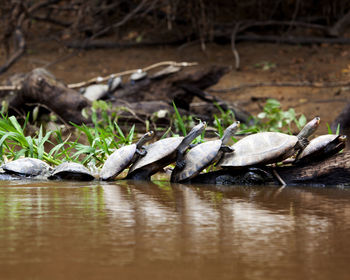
pixel 303 142
pixel 191 146
pixel 226 149
pixel 141 152
pixel 301 145
pixel 138 153
pixel 180 161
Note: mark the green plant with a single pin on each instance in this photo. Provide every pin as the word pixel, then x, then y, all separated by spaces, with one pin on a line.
pixel 273 118
pixel 103 137
pixel 14 143
pixel 225 119
pixel 182 123
pixel 337 131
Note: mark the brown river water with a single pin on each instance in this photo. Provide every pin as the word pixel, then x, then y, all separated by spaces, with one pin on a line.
pixel 128 230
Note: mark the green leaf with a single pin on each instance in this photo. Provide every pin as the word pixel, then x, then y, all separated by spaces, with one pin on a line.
pixel 338 129
pixel 30 146
pixel 16 125
pixel 329 129
pixel 130 134
pixel 179 120
pixel 302 121
pixel 218 126
pixel 120 132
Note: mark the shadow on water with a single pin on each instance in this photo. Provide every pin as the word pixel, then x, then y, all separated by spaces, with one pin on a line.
pixel 154 230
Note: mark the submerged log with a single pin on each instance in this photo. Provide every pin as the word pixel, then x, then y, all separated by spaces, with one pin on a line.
pixel 40 88
pixel 329 172
pixel 332 171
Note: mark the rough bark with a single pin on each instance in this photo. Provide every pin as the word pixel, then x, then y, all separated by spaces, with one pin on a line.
pixel 41 88
pixel 332 171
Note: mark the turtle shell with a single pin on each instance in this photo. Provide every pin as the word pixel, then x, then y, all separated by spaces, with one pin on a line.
pixel 157 151
pixel 171 69
pixel 318 145
pixel 29 167
pixel 197 159
pixel 260 148
pixel 117 162
pixel 95 92
pixel 71 171
pixel 138 75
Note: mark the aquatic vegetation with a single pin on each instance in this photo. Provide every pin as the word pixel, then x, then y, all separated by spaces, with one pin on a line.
pixel 272 118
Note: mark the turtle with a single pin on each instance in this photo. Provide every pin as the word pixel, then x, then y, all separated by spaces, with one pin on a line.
pixel 204 155
pixel 171 69
pixel 268 147
pixel 71 171
pixel 321 147
pixel 124 157
pixel 27 167
pixel 95 92
pixel 138 75
pixel 162 153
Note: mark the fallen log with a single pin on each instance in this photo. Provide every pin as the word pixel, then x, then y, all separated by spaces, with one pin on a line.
pixel 141 99
pixel 333 171
pixel 40 88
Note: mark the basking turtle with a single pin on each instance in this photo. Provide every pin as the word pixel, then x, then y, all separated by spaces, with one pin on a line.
pixel 171 69
pixel 138 75
pixel 71 171
pixel 268 147
pixel 321 147
pixel 96 92
pixel 204 155
pixel 27 167
pixel 162 153
pixel 124 157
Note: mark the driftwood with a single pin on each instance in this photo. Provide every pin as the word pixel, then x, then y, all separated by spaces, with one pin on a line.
pixel 181 88
pixel 40 88
pixel 140 100
pixel 170 89
pixel 332 171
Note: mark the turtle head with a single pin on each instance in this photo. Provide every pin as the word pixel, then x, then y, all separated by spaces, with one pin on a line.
pixel 229 132
pixel 342 138
pixel 341 142
pixel 309 128
pixel 145 138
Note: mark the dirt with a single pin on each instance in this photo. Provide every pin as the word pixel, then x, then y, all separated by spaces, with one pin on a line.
pixel 259 63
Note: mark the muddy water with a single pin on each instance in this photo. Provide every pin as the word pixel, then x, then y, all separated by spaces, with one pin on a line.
pixel 157 231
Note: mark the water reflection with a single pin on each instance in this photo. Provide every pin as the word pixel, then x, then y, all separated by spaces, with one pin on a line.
pixel 157 230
